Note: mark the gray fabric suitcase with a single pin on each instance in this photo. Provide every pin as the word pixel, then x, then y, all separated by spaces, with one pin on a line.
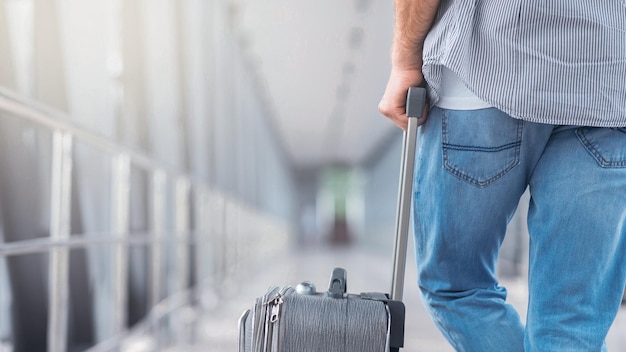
pixel 299 319
pixel 289 319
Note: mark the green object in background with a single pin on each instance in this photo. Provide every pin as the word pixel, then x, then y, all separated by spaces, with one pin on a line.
pixel 337 180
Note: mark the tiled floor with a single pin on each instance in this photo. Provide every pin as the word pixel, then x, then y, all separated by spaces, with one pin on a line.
pixel 217 329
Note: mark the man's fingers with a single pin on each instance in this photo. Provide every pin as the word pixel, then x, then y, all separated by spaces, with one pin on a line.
pixel 396 117
pixel 402 122
pixel 395 111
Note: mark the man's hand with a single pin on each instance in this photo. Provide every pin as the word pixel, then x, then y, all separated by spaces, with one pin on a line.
pixel 393 102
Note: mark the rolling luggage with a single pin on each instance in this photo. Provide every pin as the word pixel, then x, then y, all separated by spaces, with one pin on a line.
pixel 300 319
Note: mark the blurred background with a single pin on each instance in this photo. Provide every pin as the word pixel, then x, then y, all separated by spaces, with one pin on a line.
pixel 163 162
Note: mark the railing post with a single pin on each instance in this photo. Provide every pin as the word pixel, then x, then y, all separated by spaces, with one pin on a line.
pixel 182 232
pixel 217 237
pixel 120 214
pixel 158 231
pixel 202 235
pixel 182 253
pixel 60 208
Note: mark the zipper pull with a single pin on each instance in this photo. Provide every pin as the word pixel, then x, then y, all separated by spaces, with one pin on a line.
pixel 276 303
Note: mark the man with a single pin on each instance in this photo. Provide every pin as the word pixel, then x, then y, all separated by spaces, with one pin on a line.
pixel 523 94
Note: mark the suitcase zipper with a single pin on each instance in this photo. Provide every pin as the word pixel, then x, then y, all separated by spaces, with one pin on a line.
pixel 274 304
pixel 259 320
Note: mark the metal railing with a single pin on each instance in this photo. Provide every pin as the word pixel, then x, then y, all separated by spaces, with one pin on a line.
pixel 224 233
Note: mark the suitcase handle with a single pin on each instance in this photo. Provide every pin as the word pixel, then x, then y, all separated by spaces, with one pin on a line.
pixel 415 101
pixel 338 283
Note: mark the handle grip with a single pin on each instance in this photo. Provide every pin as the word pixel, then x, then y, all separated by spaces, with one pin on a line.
pixel 415 101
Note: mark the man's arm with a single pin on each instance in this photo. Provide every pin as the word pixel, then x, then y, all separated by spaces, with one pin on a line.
pixel 413 19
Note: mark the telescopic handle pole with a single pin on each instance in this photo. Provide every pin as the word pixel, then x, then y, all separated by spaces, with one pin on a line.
pixel 416 98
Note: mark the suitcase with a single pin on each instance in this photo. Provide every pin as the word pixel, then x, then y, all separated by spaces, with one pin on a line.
pixel 300 319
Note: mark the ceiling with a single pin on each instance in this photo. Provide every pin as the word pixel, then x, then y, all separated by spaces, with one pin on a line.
pixel 324 65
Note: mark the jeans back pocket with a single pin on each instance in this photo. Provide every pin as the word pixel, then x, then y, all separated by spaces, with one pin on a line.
pixel 606 145
pixel 480 146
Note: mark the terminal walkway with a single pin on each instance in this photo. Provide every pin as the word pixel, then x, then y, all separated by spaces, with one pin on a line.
pixel 148 189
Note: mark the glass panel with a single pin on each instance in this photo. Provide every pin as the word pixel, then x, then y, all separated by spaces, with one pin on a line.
pixel 140 197
pixel 138 283
pixel 82 312
pixel 6 331
pixel 92 305
pixel 25 166
pixel 91 191
pixel 139 255
pixel 28 293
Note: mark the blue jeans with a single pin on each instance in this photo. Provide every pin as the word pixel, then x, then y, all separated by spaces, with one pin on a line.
pixel 471 170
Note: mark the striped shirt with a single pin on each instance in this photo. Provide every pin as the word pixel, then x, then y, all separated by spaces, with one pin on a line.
pixel 559 62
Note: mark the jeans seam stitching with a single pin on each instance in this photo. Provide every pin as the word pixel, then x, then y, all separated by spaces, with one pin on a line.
pixel 482 149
